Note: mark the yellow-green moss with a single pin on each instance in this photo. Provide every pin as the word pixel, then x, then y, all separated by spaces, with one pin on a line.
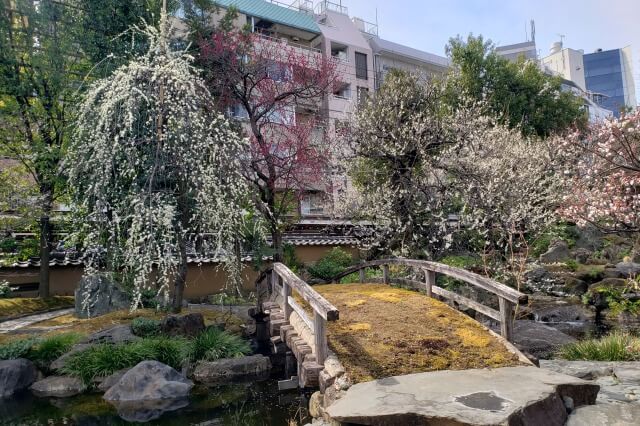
pixel 385 331
pixel 17 306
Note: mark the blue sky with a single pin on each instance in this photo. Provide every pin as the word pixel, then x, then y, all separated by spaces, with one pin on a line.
pixel 586 24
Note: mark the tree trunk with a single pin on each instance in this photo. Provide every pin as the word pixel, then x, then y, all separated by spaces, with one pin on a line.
pixel 181 278
pixel 45 243
pixel 45 255
pixel 276 239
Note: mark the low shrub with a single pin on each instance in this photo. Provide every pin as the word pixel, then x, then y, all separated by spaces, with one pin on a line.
pixel 213 344
pixel 331 264
pixel 6 289
pixel 105 359
pixel 145 327
pixel 614 347
pixel 42 351
pixel 368 273
pixel 47 350
pixel 17 348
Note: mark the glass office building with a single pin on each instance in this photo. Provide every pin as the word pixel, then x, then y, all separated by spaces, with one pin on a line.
pixel 609 73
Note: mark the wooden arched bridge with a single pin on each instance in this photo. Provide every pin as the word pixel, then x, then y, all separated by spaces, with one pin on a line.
pixel 298 315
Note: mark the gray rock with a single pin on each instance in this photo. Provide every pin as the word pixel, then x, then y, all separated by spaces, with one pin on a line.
pixel 149 380
pixel 513 395
pixel 582 255
pixel 16 375
pixel 609 282
pixel 185 325
pixel 59 363
pixel 103 296
pixel 606 415
pixel 539 339
pixel 565 313
pixel 107 383
pixel 148 390
pixel 256 366
pixel 628 269
pixel 611 273
pixel 116 334
pixel 613 389
pixel 540 280
pixel 558 252
pixel 575 286
pixel 58 387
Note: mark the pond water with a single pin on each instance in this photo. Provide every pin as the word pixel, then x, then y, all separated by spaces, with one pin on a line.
pixel 251 404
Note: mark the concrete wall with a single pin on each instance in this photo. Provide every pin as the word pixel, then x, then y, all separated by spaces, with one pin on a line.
pixel 202 280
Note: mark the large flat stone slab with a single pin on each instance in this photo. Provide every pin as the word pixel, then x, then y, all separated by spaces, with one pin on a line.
pixel 606 415
pixel 504 396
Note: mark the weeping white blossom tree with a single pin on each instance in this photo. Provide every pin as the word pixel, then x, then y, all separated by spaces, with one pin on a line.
pixel 156 172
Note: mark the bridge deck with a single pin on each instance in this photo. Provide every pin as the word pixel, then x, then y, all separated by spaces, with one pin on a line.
pixel 385 331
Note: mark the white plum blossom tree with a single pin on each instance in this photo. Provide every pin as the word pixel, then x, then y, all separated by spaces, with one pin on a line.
pixel 156 171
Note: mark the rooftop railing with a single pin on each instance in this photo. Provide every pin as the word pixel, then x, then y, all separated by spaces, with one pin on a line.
pixel 325 6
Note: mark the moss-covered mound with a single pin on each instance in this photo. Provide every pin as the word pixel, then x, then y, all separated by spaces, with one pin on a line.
pixel 385 331
pixel 18 306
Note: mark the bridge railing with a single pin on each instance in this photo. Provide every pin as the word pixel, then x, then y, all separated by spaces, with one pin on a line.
pixel 285 281
pixel 508 298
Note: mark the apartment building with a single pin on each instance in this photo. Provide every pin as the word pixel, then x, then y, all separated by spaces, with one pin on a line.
pixel 363 58
pixel 567 63
pixel 513 52
pixel 389 55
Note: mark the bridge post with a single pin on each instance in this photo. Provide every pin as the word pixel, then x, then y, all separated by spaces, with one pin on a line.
pixel 385 274
pixel 286 292
pixel 429 281
pixel 506 318
pixel 361 275
pixel 320 338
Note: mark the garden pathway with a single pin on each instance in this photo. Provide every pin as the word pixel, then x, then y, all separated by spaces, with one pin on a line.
pixel 16 324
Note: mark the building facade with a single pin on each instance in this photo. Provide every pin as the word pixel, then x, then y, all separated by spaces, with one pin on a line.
pixel 609 74
pixel 567 63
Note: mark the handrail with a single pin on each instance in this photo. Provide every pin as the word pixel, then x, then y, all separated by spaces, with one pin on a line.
pixel 507 297
pixel 323 310
pixel 485 283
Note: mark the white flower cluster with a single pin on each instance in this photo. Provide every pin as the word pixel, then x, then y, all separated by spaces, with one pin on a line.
pixel 155 168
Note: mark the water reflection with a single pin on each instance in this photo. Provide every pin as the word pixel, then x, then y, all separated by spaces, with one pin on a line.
pixel 250 404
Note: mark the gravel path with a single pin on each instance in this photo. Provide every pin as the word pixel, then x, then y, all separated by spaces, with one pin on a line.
pixel 12 325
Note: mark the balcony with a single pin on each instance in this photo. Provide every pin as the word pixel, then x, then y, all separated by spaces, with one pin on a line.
pixel 365 27
pixel 286 41
pixel 325 6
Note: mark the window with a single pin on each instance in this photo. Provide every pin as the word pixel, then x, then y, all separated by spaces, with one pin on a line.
pixel 340 52
pixel 361 66
pixel 238 112
pixel 312 204
pixel 343 91
pixel 363 95
pixel 278 71
pixel 283 115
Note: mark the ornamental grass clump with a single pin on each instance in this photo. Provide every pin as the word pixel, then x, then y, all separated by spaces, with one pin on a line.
pixel 42 351
pixel 213 344
pixel 614 347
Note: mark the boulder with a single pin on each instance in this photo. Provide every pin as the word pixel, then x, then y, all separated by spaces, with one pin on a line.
pixel 558 252
pixel 149 380
pixel 147 391
pixel 58 387
pixel 582 255
pixel 606 415
pixel 575 286
pixel 105 383
pixel 116 334
pixel 101 295
pixel 628 269
pixel 16 375
pixel 565 313
pixel 512 395
pixel 610 282
pixel 183 325
pixel 538 339
pixel 610 273
pixel 215 372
